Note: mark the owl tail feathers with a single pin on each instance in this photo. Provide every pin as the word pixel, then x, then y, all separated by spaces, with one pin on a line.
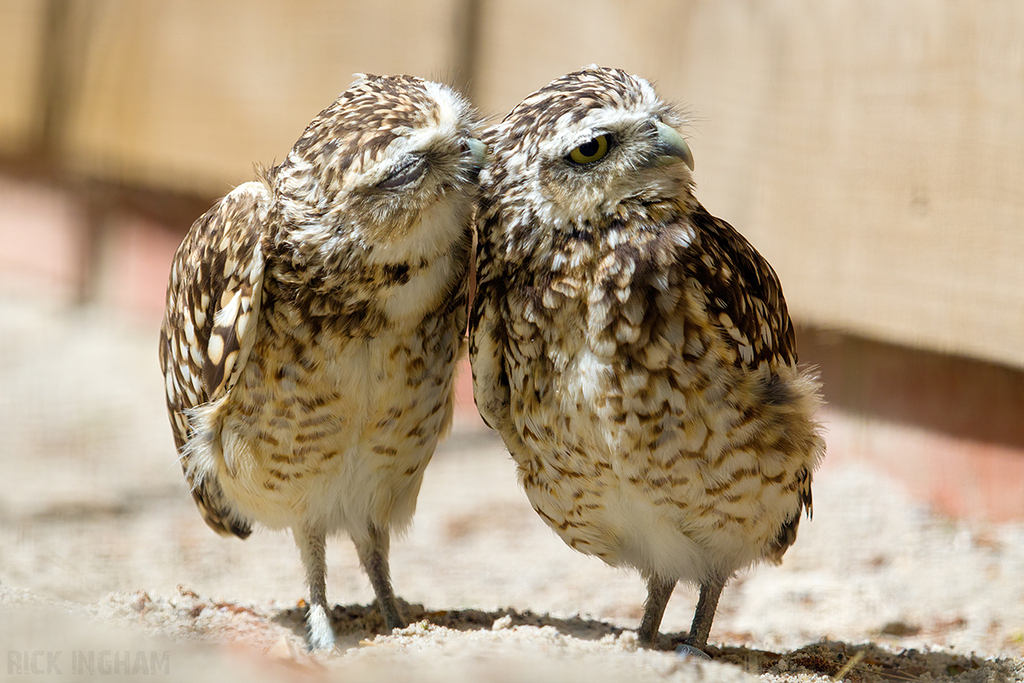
pixel 199 462
pixel 217 516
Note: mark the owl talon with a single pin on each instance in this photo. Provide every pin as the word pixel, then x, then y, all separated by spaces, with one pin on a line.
pixel 320 635
pixel 685 651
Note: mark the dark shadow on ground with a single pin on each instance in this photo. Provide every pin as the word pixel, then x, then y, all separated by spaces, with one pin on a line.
pixel 353 623
pixel 856 663
pixel 867 663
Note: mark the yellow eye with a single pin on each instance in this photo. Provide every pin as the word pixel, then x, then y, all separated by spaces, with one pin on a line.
pixel 589 152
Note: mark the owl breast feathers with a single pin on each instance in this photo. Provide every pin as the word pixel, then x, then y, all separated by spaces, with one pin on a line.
pixel 634 352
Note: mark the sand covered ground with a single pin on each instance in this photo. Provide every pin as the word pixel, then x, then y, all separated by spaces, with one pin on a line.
pixel 106 568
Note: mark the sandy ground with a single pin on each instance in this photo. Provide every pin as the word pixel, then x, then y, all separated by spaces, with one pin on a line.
pixel 106 568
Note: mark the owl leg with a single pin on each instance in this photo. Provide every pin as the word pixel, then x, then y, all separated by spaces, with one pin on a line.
pixel 707 604
pixel 312 546
pixel 373 555
pixel 659 590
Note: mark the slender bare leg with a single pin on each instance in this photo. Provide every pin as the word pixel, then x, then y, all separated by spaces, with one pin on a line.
pixel 374 558
pixel 659 590
pixel 312 545
pixel 700 629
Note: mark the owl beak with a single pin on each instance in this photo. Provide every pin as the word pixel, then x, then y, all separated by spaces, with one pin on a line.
pixel 671 147
pixel 477 151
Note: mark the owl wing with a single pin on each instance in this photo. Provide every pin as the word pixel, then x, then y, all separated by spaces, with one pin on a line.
pixel 744 298
pixel 213 302
pixel 487 339
pixel 743 294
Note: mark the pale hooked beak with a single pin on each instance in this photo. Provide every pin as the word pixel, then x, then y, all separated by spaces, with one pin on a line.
pixel 478 150
pixel 671 147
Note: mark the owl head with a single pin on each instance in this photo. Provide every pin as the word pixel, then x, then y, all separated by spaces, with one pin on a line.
pixel 585 146
pixel 393 160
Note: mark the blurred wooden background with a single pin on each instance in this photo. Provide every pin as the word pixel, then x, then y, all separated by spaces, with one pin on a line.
pixel 873 151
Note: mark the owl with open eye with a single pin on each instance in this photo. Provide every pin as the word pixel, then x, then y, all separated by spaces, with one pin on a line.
pixel 314 320
pixel 633 351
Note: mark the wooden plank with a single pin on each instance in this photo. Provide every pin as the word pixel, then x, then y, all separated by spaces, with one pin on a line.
pixel 22 34
pixel 189 94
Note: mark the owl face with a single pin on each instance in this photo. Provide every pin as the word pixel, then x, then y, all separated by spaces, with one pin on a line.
pixel 585 144
pixel 389 152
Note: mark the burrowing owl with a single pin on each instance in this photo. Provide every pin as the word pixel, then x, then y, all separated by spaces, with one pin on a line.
pixel 314 319
pixel 633 351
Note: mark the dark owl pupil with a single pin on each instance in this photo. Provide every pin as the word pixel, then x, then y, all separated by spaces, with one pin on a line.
pixel 589 149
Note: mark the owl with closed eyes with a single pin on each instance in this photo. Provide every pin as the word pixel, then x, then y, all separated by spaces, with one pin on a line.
pixel 314 319
pixel 633 351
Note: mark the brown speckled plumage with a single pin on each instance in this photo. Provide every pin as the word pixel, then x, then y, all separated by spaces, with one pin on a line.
pixel 314 319
pixel 634 352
